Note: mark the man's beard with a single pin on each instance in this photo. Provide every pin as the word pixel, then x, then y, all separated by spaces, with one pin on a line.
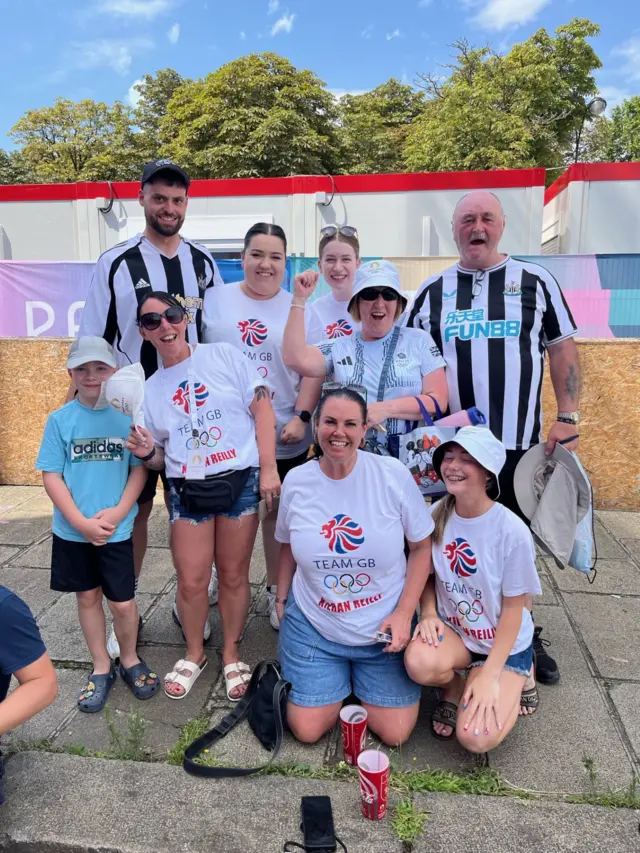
pixel 165 229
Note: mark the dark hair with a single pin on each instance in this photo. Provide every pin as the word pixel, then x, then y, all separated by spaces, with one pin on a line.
pixel 339 238
pixel 267 228
pixel 337 394
pixel 160 295
pixel 169 177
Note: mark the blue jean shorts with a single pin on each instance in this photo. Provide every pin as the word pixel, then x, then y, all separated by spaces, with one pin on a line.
pixel 246 503
pixel 323 672
pixel 520 662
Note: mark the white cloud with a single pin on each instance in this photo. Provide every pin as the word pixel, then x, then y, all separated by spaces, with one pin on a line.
pixel 283 24
pixel 133 95
pixel 340 93
pixel 499 15
pixel 109 53
pixel 243 35
pixel 147 9
pixel 629 51
pixel 394 35
pixel 174 33
pixel 614 96
pixel 273 6
pixel 367 32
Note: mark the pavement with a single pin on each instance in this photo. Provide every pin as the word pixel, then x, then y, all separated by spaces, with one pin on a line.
pixel 584 740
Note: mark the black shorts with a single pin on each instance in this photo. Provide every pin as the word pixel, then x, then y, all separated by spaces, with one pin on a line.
pixel 81 566
pixel 148 492
pixel 286 465
pixel 507 493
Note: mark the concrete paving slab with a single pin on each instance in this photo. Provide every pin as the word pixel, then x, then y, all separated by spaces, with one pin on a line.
pixel 548 595
pixel 47 806
pixel 620 577
pixel 38 504
pixel 544 752
pixel 609 626
pixel 626 698
pixel 161 629
pixel 7 552
pixel 505 825
pixel 44 724
pixel 633 547
pixel 608 547
pixel 13 496
pixel 157 570
pixel 159 527
pixel 258 567
pixel 23 528
pixel 36 557
pixel 32 585
pixel 624 525
pixel 61 630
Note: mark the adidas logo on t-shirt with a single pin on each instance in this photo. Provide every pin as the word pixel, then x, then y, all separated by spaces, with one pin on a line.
pixel 141 284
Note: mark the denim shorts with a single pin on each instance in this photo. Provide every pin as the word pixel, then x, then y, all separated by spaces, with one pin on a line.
pixel 246 504
pixel 520 662
pixel 323 672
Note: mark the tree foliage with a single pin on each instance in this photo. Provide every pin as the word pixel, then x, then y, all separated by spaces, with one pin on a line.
pixel 615 139
pixel 155 92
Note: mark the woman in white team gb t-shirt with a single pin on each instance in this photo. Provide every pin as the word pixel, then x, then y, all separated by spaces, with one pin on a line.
pixel 338 260
pixel 473 606
pixel 344 577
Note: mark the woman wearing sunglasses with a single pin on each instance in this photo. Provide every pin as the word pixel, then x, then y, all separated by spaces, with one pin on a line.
pixel 391 362
pixel 210 423
pixel 338 260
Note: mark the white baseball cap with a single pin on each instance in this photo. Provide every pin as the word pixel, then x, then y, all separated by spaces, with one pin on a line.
pixel 90 348
pixel 480 443
pixel 377 274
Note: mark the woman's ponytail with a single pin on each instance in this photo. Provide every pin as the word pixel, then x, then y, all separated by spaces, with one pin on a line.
pixel 441 515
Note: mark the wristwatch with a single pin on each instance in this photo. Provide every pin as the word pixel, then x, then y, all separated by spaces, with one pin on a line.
pixel 304 416
pixel 568 417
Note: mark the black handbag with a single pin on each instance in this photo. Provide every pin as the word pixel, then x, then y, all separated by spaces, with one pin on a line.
pixel 214 494
pixel 264 705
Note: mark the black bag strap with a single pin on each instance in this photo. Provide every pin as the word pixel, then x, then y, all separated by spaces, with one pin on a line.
pixel 386 367
pixel 227 723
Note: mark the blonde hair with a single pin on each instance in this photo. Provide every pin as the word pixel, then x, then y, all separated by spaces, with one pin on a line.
pixel 339 238
pixel 401 304
pixel 441 515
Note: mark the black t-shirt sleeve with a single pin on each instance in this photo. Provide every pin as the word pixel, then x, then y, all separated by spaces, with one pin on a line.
pixel 20 640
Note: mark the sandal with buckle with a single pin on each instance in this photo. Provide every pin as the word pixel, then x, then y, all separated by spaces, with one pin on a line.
pixel 445 713
pixel 142 682
pixel 530 699
pixel 243 677
pixel 185 673
pixel 95 693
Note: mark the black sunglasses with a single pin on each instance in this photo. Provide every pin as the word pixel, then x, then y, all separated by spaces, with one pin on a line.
pixel 151 321
pixel 370 294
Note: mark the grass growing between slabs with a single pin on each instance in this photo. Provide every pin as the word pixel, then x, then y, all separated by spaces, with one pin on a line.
pixel 408 822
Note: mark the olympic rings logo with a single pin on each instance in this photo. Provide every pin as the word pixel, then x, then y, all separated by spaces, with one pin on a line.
pixel 346 583
pixel 206 438
pixel 471 612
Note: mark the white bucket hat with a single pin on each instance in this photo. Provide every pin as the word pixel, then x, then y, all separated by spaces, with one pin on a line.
pixel 377 274
pixel 480 443
pixel 124 391
pixel 535 471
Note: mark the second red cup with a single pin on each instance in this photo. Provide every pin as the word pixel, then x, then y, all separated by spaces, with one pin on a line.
pixel 353 723
pixel 373 769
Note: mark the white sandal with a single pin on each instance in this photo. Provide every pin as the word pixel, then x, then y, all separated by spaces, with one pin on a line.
pixel 185 673
pixel 243 677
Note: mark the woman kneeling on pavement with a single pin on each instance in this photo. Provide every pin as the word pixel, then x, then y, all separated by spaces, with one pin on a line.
pixel 473 608
pixel 210 422
pixel 343 577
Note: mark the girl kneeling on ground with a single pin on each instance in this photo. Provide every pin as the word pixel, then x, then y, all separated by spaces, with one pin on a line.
pixel 473 607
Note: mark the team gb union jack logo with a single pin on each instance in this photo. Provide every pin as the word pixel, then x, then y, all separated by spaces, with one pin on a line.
pixel 339 329
pixel 344 534
pixel 462 560
pixel 181 397
pixel 252 332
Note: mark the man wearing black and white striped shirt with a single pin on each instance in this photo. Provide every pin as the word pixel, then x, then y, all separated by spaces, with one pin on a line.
pixel 493 318
pixel 157 259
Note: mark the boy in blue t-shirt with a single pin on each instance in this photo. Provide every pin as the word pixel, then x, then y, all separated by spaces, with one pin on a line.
pixel 94 483
pixel 22 653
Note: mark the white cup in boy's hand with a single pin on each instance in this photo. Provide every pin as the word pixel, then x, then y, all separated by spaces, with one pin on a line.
pixel 140 441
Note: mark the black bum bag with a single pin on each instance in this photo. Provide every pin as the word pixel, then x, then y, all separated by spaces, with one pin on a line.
pixel 214 494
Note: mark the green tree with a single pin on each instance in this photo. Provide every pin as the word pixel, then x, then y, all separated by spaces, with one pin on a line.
pixel 513 111
pixel 155 92
pixel 257 116
pixel 376 124
pixel 13 169
pixel 69 141
pixel 615 139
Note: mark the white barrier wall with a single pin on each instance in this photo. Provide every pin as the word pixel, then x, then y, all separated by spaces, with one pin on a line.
pixel 396 215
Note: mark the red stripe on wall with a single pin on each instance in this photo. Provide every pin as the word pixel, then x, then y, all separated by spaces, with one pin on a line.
pixel 592 172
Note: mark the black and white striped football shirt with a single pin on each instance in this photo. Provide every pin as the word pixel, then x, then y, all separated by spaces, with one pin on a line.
pixel 493 342
pixel 125 274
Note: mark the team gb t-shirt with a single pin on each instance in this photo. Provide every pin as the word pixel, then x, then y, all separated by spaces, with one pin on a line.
pixel 256 327
pixel 225 384
pixel 347 538
pixel 329 319
pixel 480 560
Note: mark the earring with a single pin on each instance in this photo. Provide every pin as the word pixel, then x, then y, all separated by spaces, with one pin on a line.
pixel 362 443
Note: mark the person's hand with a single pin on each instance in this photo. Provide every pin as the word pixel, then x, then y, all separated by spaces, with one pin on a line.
pixel 269 484
pixel 480 704
pixel 398 624
pixel 559 432
pixel 97 530
pixel 280 611
pixel 304 284
pixel 430 630
pixel 111 516
pixel 139 441
pixel 294 431
pixel 376 413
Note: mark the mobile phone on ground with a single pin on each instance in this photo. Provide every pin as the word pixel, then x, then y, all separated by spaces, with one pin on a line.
pixel 317 824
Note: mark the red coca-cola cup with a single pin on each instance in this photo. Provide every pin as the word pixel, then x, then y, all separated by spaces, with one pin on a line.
pixel 353 723
pixel 373 769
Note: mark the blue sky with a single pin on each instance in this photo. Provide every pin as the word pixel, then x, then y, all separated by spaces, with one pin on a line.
pixel 99 48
